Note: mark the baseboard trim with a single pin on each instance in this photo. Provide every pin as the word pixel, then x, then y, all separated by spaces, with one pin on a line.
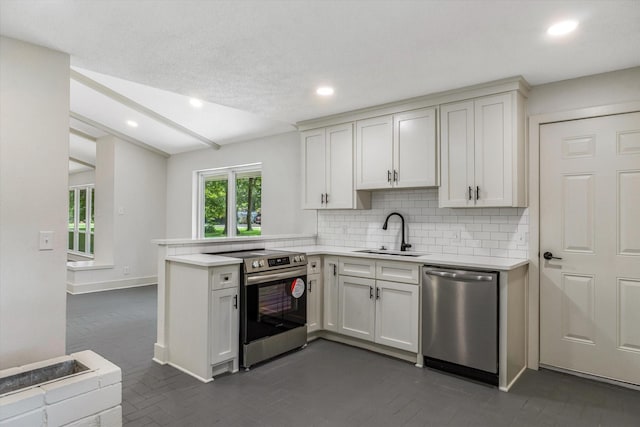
pixel 85 288
pixel 186 371
pixel 592 377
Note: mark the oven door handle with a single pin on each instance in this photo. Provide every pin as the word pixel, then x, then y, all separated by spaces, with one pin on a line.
pixel 253 279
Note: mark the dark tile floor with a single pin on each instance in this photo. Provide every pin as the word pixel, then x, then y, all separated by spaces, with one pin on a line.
pixel 326 384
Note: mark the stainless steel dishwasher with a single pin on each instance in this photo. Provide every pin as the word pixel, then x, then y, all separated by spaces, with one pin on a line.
pixel 460 322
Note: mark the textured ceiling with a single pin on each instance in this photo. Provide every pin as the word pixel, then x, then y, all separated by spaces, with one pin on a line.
pixel 267 57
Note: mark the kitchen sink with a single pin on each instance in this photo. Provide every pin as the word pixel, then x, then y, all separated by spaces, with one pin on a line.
pixel 386 252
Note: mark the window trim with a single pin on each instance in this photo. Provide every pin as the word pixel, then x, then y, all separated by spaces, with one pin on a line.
pixel 90 190
pixel 199 178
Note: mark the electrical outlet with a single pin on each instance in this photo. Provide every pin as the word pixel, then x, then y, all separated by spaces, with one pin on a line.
pixel 125 270
pixel 46 240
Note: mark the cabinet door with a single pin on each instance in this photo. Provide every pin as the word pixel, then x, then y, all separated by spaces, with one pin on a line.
pixel 494 141
pixel 224 325
pixel 374 153
pixel 456 144
pixel 314 168
pixel 397 315
pixel 331 295
pixel 339 169
pixel 314 303
pixel 357 307
pixel 414 149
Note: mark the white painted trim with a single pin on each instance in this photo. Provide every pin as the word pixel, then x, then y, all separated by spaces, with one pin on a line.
pixel 81 134
pixel 128 102
pixel 241 239
pixel 514 380
pixel 534 207
pixel 198 377
pixel 117 134
pixel 82 162
pixel 592 377
pixel 85 288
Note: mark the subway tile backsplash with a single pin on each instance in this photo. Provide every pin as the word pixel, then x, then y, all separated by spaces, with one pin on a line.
pixel 498 232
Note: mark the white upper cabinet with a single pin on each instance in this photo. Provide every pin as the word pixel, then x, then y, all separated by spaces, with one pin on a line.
pixel 374 153
pixel 414 149
pixel 327 155
pixel 397 150
pixel 483 152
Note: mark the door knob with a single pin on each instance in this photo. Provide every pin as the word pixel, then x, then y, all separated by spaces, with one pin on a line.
pixel 549 255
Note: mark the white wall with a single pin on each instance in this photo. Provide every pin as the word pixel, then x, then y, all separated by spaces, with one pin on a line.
pixel 82 178
pixel 130 212
pixel 34 168
pixel 281 183
pixel 590 91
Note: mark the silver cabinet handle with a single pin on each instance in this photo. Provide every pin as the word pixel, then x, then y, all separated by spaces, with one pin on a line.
pixel 469 275
pixel 470 193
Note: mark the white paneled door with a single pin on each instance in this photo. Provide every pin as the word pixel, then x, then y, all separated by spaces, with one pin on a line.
pixel 590 223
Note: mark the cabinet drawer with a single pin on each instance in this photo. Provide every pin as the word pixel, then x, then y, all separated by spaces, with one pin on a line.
pixel 357 267
pixel 398 272
pixel 224 277
pixel 313 265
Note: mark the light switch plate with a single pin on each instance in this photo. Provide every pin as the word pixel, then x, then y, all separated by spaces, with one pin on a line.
pixel 46 240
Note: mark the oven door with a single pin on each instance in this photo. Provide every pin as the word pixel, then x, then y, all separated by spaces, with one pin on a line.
pixel 273 302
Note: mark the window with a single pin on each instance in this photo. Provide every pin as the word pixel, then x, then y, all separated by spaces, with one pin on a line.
pixel 229 201
pixel 81 219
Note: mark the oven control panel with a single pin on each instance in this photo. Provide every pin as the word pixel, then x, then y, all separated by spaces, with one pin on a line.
pixel 275 262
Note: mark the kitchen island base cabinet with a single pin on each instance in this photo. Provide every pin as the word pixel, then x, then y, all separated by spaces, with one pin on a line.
pixel 203 319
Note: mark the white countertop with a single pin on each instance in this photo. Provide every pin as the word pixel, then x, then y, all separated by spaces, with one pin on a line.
pixel 503 264
pixel 204 260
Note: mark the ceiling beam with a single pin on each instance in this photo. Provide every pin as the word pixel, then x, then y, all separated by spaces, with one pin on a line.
pixel 82 162
pixel 128 102
pixel 117 134
pixel 81 134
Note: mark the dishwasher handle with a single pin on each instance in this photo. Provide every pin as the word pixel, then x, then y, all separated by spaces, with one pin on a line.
pixel 467 275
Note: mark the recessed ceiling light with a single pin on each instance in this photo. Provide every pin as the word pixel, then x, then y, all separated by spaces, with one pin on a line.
pixel 195 103
pixel 562 28
pixel 132 123
pixel 325 91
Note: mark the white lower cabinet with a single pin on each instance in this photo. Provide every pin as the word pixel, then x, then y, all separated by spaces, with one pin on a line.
pixel 314 303
pixel 224 325
pixel 357 307
pixel 397 316
pixel 203 319
pixel 382 311
pixel 331 295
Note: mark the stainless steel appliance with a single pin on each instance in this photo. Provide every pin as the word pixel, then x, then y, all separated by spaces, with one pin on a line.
pixel 273 303
pixel 460 322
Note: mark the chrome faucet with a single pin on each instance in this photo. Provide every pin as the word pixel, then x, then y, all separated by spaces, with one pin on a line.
pixel 403 245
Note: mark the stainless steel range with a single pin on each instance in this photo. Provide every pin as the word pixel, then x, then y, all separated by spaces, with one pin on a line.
pixel 273 303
